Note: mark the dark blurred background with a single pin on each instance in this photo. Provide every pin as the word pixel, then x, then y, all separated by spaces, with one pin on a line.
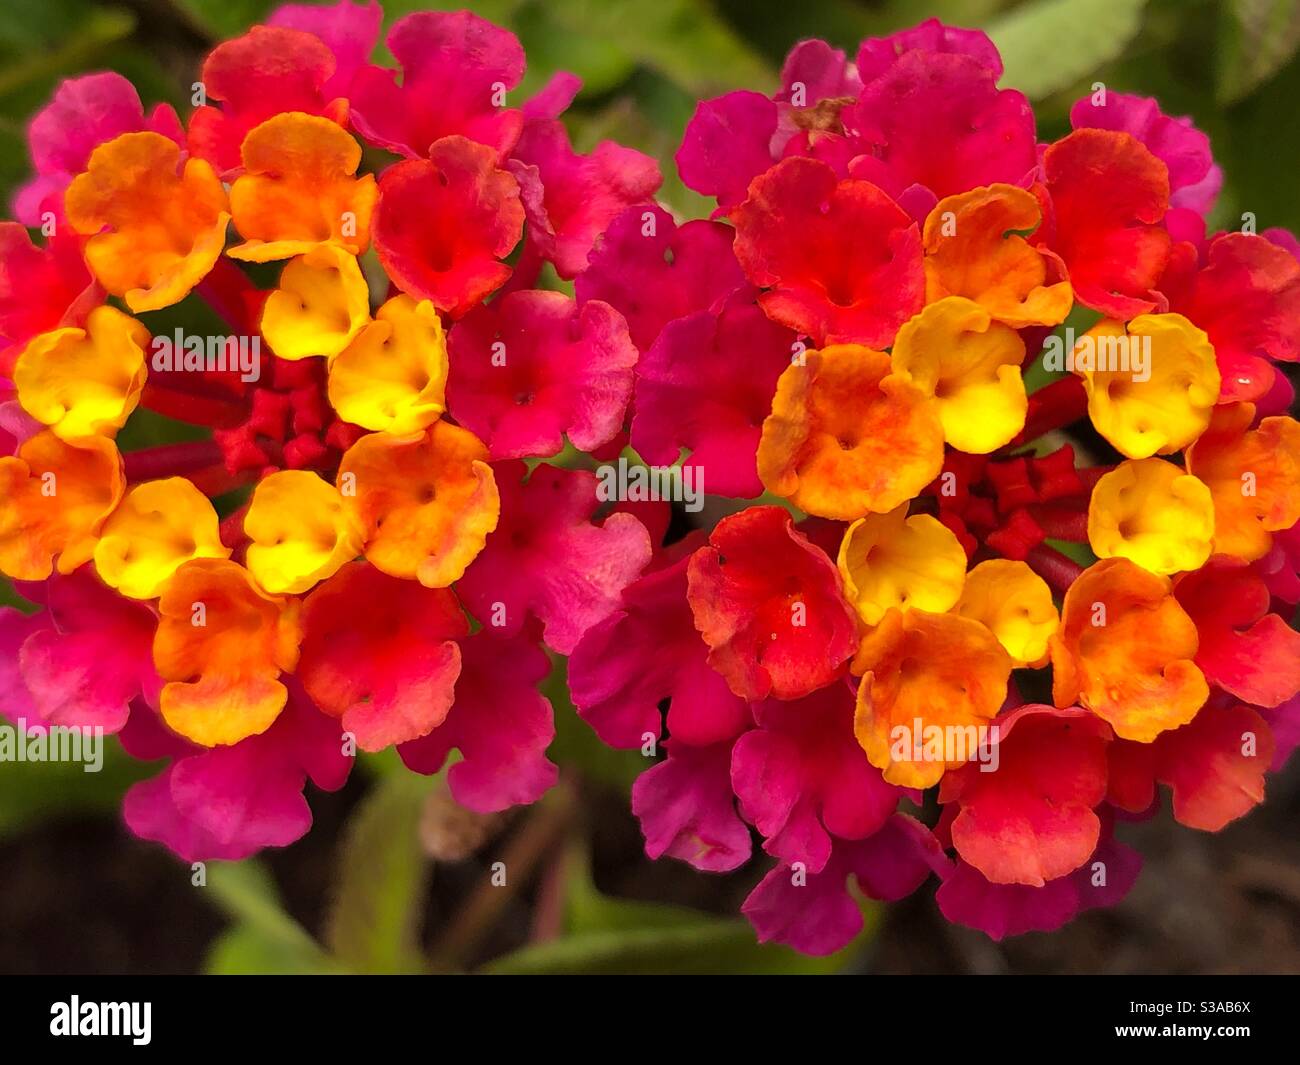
pixel 394 877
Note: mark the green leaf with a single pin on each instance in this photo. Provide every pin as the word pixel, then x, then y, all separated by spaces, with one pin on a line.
pixel 605 934
pixel 244 951
pixel 588 911
pixel 33 62
pixel 263 938
pixel 708 946
pixel 683 39
pixel 552 45
pixel 33 792
pixel 1051 45
pixel 577 745
pixel 382 876
pixel 1259 37
pixel 225 18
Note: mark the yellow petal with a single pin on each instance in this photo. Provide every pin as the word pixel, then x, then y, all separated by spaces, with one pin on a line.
pixel 84 382
pixel 301 532
pixel 1015 603
pixel 955 352
pixel 321 305
pixel 158 527
pixel 393 376
pixel 891 560
pixel 1151 389
pixel 1152 513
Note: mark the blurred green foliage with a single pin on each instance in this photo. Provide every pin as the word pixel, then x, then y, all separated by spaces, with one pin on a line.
pixel 1230 64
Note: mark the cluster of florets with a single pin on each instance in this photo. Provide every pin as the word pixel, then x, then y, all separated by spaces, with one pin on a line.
pixel 849 334
pixel 926 632
pixel 384 572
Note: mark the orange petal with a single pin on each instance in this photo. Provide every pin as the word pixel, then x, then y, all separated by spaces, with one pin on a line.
pixel 299 190
pixel 54 498
pixel 845 438
pixel 1253 476
pixel 221 645
pixel 973 249
pixel 1125 650
pixel 926 676
pixel 155 228
pixel 426 502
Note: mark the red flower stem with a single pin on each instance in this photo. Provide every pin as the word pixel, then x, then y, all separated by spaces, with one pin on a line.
pixel 1062 522
pixel 1057 570
pixel 230 293
pixel 218 412
pixel 1053 407
pixel 1090 475
pixel 172 460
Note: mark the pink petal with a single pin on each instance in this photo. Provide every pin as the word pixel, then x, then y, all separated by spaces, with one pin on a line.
pixel 652 271
pixel 687 810
pixel 501 724
pixel 546 559
pixel 706 384
pixel 532 367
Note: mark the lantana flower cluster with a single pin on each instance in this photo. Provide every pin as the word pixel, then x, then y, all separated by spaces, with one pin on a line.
pixel 875 662
pixel 393 576
pixel 889 663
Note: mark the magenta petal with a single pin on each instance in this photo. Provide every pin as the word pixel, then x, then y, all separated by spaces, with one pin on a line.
pixel 147 738
pixel 1284 721
pixel 726 144
pixel 348 30
pixel 501 724
pixel 706 384
pixel 98 656
pixel 316 741
pixel 151 813
pixel 229 802
pixel 546 559
pixel 532 367
pixel 247 795
pixel 816 917
pixel 939 120
pixel 579 195
pixel 452 65
pixel 814 912
pixel 801 775
pixel 823 71
pixel 1280 568
pixel 554 98
pixel 85 112
pixel 16 628
pixel 653 271
pixel 877 54
pixel 648 651
pixel 687 810
pixel 1001 910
